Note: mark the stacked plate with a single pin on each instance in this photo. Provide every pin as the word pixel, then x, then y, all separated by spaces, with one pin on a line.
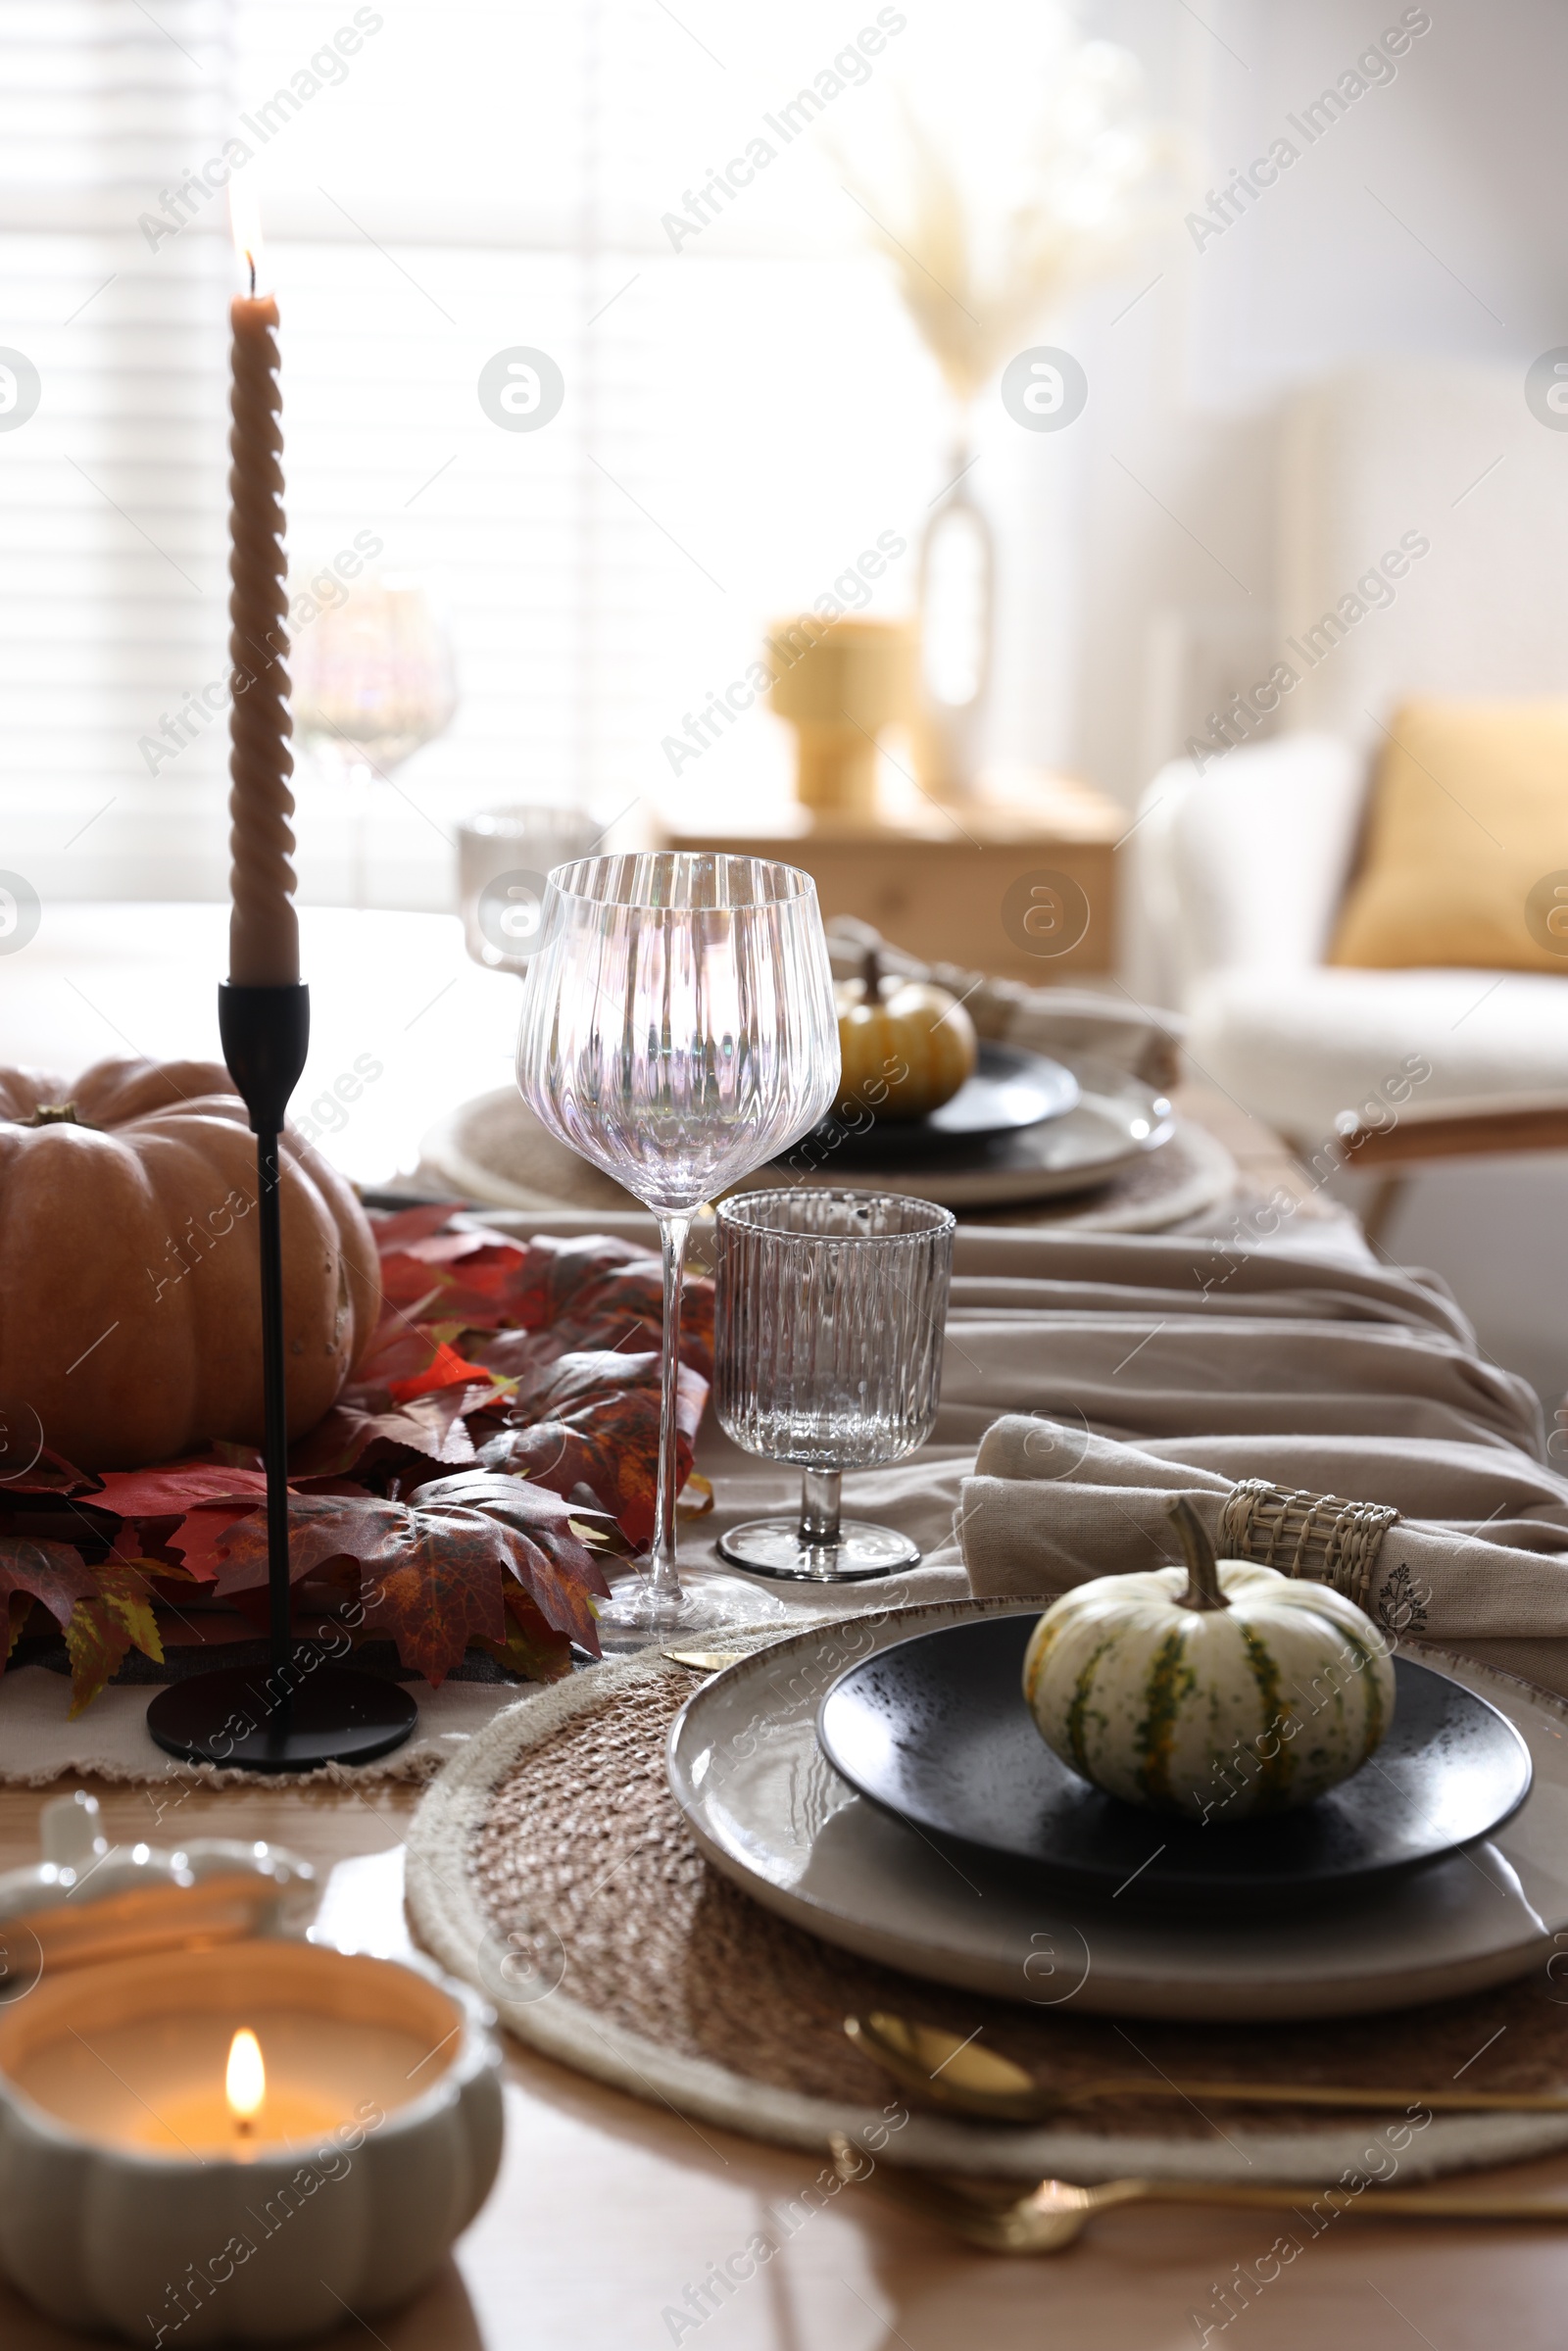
pixel 879 1781
pixel 1022 1128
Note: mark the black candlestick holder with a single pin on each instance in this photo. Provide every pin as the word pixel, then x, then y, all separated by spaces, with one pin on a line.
pixel 301 1710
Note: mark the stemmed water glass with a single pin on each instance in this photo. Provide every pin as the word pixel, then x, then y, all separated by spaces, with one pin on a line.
pixel 831 1312
pixel 678 1030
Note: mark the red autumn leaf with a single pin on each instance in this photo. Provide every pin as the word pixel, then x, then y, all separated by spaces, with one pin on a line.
pixel 194 1542
pixel 51 1473
pixel 576 1322
pixel 505 1285
pixel 532 1649
pixel 181 1486
pixel 51 1572
pixel 395 1229
pixel 445 1369
pixel 360 1434
pixel 596 1422
pixel 102 1610
pixel 433 1576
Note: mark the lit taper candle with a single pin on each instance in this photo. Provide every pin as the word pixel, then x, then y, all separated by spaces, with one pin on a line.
pixel 264 940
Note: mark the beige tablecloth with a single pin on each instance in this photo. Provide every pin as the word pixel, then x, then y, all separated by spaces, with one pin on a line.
pixel 1129 1372
pixel 1087 1379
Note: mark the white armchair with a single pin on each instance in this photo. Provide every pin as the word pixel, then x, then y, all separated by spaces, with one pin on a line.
pixel 1236 881
pixel 1236 873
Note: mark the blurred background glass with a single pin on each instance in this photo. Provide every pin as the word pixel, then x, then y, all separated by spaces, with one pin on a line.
pixel 374 682
pixel 505 857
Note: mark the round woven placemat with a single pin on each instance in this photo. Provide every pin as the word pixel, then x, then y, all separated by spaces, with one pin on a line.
pixel 550 1866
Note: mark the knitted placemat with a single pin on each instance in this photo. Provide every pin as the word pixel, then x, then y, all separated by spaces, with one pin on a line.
pixel 550 1866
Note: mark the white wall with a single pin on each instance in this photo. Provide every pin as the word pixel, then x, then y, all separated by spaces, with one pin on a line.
pixel 1424 225
pixel 1175 459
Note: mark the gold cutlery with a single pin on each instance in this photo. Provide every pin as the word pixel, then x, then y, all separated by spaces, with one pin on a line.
pixel 1050 2215
pixel 963 2077
pixel 703 1661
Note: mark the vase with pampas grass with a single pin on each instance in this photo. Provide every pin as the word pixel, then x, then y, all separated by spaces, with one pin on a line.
pixel 977 276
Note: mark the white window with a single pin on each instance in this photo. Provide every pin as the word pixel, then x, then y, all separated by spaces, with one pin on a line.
pixel 745 404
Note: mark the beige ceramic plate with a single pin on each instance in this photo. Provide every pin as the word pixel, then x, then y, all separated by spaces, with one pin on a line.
pixel 770 1813
pixel 494 1151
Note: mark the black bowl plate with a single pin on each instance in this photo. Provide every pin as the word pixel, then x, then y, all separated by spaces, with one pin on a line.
pixel 1010 1090
pixel 935 1731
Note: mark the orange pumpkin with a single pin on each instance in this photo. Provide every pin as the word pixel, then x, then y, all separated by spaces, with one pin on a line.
pixel 129 1276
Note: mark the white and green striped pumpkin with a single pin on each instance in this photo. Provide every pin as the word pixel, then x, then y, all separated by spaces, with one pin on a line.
pixel 1217 1689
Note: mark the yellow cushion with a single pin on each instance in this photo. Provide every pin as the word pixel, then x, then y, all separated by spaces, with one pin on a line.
pixel 1467 841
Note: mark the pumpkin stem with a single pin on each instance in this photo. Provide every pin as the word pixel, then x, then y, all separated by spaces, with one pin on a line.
pixel 55 1114
pixel 871 977
pixel 1202 1568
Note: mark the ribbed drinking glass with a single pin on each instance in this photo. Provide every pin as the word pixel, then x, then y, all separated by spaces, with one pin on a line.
pixel 678 1030
pixel 831 1312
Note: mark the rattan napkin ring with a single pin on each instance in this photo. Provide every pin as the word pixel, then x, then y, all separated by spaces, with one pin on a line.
pixel 1316 1536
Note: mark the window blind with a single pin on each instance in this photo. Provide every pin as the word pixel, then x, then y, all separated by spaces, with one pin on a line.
pixel 745 407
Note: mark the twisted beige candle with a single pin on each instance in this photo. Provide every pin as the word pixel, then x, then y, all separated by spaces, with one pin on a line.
pixel 263 939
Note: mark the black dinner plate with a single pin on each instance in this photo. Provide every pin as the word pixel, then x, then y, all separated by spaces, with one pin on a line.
pixel 935 1731
pixel 1010 1090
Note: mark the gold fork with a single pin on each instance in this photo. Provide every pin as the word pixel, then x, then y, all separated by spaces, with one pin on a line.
pixel 1050 2215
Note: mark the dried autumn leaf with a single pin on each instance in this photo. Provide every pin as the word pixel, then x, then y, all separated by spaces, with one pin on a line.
pixel 446 1368
pixel 194 1542
pixel 621 1313
pixel 180 1487
pixel 360 1434
pixel 465 1308
pixel 532 1649
pixel 51 1473
pixel 51 1572
pixel 396 1228
pixel 116 1617
pixel 695 1497
pixel 595 1422
pixel 433 1576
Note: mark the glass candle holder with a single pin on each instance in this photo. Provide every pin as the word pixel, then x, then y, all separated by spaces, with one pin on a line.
pixel 505 857
pixel 830 1314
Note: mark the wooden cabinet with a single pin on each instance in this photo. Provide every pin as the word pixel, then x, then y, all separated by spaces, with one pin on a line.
pixel 1019 883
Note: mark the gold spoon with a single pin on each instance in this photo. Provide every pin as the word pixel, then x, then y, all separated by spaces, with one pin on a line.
pixel 703 1661
pixel 1050 2215
pixel 965 2079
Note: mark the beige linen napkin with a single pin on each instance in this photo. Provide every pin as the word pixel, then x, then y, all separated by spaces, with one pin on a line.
pixel 1312 1377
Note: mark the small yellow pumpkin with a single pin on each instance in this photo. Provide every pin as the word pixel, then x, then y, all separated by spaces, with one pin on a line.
pixel 1215 1691
pixel 905 1047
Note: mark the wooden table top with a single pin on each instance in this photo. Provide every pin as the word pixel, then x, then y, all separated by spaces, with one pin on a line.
pixel 608 2210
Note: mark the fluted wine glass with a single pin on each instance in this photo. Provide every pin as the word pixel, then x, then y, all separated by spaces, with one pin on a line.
pixel 678 1030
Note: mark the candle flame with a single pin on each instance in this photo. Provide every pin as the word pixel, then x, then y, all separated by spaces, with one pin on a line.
pixel 245 2082
pixel 245 220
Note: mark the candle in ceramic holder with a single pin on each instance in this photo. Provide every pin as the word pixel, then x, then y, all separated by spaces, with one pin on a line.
pixel 235 2142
